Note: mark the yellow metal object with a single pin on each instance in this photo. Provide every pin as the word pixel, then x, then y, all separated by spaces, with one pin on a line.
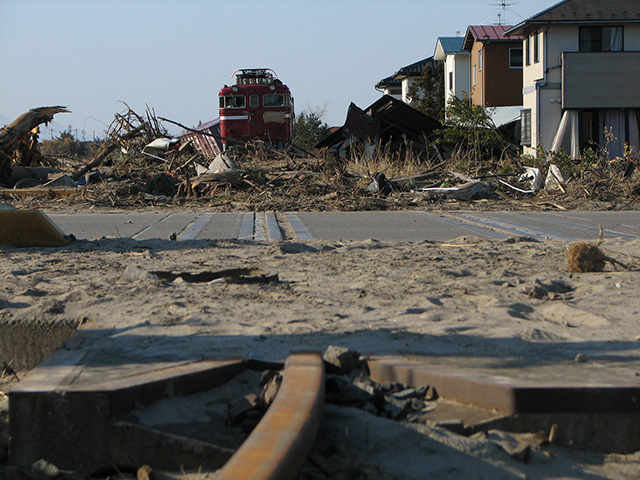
pixel 29 228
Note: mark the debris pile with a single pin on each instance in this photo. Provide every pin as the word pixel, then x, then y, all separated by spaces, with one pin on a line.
pixel 386 122
pixel 348 385
pixel 387 156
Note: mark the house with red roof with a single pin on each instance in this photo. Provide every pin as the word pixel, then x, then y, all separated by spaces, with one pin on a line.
pixel 495 66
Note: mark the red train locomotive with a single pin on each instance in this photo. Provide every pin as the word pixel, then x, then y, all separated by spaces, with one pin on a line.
pixel 258 106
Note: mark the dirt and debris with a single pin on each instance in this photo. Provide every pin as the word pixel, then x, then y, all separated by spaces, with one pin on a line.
pixel 385 157
pixel 367 296
pixel 387 122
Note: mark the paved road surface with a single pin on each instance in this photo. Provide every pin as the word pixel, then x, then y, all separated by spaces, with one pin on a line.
pixel 409 226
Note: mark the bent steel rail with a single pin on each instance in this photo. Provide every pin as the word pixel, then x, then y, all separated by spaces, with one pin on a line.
pixel 277 447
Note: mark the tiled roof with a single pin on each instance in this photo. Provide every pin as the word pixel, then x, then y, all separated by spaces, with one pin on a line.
pixel 412 70
pixel 415 68
pixel 579 11
pixel 388 82
pixel 448 46
pixel 451 44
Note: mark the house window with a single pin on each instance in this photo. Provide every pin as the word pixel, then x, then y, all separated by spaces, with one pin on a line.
pixel 450 80
pixel 475 74
pixel 536 48
pixel 527 47
pixel 515 58
pixel 395 91
pixel 601 39
pixel 525 127
pixel 480 60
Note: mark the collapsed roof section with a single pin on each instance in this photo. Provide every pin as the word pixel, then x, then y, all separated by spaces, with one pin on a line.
pixel 206 138
pixel 384 121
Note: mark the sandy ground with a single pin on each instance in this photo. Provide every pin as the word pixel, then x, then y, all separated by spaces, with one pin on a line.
pixel 502 305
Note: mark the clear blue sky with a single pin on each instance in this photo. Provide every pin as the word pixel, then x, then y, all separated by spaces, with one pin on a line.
pixel 175 55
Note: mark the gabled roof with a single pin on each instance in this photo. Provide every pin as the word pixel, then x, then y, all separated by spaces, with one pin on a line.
pixel 486 34
pixel 388 82
pixel 451 44
pixel 448 46
pixel 584 11
pixel 413 70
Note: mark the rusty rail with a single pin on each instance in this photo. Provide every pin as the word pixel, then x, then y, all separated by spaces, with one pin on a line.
pixel 278 445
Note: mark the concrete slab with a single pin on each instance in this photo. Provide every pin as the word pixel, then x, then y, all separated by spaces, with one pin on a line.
pixel 30 228
pixel 589 414
pixel 67 412
pixel 511 395
pixel 564 226
pixel 402 226
pixel 111 225
pixel 223 226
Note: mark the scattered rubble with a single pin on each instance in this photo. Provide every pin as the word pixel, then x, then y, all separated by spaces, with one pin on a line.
pixel 386 121
pixel 386 156
pixel 553 290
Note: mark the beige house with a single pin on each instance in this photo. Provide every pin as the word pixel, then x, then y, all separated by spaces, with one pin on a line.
pixel 581 77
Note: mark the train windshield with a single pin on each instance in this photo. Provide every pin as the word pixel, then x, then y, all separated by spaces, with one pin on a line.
pixel 233 101
pixel 275 100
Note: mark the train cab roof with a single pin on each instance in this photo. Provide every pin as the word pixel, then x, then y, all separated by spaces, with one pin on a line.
pixel 256 76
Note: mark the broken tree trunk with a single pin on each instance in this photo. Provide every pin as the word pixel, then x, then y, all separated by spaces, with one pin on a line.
pixel 13 135
pixel 107 149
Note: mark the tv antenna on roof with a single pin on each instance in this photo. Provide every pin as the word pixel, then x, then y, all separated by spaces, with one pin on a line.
pixel 502 18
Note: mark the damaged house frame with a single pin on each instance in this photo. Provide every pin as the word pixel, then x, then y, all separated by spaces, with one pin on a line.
pixel 387 120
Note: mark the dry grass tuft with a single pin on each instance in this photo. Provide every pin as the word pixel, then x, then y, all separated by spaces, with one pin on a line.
pixel 585 257
pixel 393 160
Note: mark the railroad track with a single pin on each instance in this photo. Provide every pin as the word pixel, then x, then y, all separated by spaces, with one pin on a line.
pixel 278 446
pixel 408 226
pixel 54 399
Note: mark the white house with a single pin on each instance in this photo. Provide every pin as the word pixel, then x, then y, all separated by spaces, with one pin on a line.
pixel 581 76
pixel 398 84
pixel 390 86
pixel 456 66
